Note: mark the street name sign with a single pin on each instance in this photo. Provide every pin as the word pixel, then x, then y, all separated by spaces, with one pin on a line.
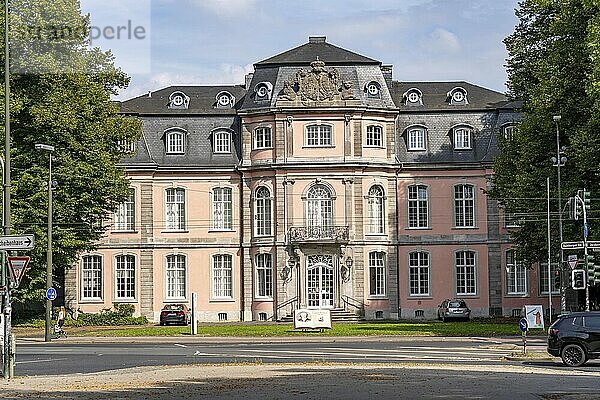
pixel 23 242
pixel 594 244
pixel 571 245
pixel 18 265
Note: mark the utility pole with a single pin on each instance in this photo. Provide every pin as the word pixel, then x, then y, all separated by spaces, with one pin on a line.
pixel 560 161
pixel 581 197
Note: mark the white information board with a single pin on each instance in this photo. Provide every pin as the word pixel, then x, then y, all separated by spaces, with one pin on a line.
pixel 534 316
pixel 312 319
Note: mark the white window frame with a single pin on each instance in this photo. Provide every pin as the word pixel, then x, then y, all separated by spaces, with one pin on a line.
pixel 124 216
pixel 91 277
pixel 263 138
pixel 263 211
pixel 508 131
pixel 418 206
pixel 222 208
pixel 543 278
pixel 175 209
pixel 125 279
pixel 416 139
pixel 176 277
pixel 419 274
pixel 374 136
pixel 264 275
pixel 464 206
pixel 175 141
pixel 376 210
pixel 222 142
pixel 318 135
pixel 319 207
pixel 377 274
pixel 465 270
pixel 126 146
pixel 516 275
pixel 463 138
pixel 222 276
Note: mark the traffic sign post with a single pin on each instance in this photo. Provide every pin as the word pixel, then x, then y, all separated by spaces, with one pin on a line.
pixel 523 327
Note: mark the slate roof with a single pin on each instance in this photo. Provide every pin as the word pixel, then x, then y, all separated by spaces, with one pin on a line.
pixel 316 47
pixel 435 96
pixel 202 101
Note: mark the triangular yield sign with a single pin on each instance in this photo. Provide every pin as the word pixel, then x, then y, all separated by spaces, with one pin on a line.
pixel 18 264
pixel 572 263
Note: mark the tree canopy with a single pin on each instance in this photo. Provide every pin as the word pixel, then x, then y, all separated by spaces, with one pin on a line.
pixel 553 67
pixel 60 96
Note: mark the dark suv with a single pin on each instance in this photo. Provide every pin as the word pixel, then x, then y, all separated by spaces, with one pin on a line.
pixel 575 337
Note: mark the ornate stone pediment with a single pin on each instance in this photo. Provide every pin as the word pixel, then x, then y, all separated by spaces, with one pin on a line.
pixel 317 84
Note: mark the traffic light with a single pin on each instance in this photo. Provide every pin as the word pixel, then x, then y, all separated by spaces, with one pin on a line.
pixel 587 199
pixel 577 211
pixel 556 279
pixel 590 269
pixel 578 279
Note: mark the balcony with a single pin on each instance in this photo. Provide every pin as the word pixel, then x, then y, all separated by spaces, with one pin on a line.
pixel 319 234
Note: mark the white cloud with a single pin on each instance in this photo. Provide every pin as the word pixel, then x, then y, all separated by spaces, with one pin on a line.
pixel 227 8
pixel 442 40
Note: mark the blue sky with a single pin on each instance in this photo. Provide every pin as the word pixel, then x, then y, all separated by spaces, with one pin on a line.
pixel 217 41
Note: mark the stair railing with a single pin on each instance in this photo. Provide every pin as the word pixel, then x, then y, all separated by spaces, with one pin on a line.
pixel 293 302
pixel 350 302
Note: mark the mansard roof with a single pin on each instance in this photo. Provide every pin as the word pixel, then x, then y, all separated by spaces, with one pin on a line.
pixel 316 48
pixel 202 100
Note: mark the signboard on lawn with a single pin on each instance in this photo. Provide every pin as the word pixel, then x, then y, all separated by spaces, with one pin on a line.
pixel 312 319
pixel 534 316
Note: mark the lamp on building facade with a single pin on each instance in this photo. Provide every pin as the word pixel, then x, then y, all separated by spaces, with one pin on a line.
pixel 346 267
pixel 292 262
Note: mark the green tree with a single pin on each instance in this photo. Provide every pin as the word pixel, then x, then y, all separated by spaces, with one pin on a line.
pixel 60 95
pixel 553 68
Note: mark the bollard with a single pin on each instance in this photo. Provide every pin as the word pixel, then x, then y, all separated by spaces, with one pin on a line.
pixel 13 352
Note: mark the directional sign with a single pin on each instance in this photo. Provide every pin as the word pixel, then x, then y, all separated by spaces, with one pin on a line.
pixel 593 244
pixel 24 242
pixel 18 265
pixel 571 245
pixel 523 325
pixel 51 294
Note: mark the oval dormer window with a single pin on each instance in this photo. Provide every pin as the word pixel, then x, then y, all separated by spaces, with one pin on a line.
pixel 224 100
pixel 413 97
pixel 372 89
pixel 262 91
pixel 177 100
pixel 458 96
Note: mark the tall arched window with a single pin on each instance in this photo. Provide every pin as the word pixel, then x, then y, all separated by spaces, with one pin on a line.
pixel 464 206
pixel 263 211
pixel 264 275
pixel 375 210
pixel 125 277
pixel 175 209
pixel 176 276
pixel 222 276
pixel 319 209
pixel 418 267
pixel 466 273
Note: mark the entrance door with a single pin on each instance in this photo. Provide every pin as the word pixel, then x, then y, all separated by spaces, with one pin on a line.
pixel 319 282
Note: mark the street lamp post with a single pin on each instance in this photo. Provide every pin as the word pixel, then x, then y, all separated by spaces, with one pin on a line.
pixel 559 161
pixel 49 149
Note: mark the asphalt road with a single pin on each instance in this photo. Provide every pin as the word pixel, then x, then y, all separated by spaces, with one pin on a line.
pixel 69 357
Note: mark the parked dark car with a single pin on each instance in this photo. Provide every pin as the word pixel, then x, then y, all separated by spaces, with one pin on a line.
pixel 175 314
pixel 575 337
pixel 453 309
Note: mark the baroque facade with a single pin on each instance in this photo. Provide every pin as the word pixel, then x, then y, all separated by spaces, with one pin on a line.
pixel 319 183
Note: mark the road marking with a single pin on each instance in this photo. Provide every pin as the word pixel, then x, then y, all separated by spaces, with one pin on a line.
pixel 180 345
pixel 38 361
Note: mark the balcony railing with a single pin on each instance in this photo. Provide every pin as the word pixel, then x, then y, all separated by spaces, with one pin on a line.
pixel 335 234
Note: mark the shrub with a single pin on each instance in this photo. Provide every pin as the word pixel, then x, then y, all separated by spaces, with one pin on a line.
pixel 121 315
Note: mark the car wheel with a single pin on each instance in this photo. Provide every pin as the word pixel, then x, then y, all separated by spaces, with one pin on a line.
pixel 573 355
pixel 162 323
pixel 443 318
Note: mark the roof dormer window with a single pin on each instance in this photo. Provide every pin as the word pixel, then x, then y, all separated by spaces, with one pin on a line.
pixel 457 96
pixel 463 137
pixel 225 100
pixel 413 97
pixel 175 141
pixel 179 100
pixel 373 90
pixel 263 91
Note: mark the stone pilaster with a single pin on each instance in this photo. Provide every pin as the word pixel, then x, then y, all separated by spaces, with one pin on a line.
pixel 146 256
pixel 357 139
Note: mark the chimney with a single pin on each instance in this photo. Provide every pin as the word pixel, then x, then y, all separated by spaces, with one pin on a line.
pixel 316 39
pixel 249 79
pixel 149 93
pixel 386 70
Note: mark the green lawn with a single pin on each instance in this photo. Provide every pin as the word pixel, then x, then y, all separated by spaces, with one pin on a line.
pixel 472 328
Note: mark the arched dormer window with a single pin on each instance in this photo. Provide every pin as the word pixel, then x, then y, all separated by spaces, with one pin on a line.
pixel 225 99
pixel 416 136
pixel 462 136
pixel 373 90
pixel 263 91
pixel 413 97
pixel 175 141
pixel 508 131
pixel 457 96
pixel 221 141
pixel 179 100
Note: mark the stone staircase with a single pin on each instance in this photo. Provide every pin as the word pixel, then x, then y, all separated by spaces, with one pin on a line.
pixel 337 315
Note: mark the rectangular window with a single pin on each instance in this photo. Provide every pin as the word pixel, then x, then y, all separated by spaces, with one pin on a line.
pixel 543 277
pixel 418 207
pixel 516 275
pixel 222 276
pixel 418 265
pixel 462 139
pixel 319 135
pixel 125 214
pixel 377 273
pixel 416 139
pixel 464 206
pixel 263 212
pixel 264 275
pixel 375 210
pixel 91 276
pixel 465 273
pixel 175 143
pixel 263 138
pixel 175 209
pixel 176 284
pixel 125 277
pixel 374 136
pixel 222 209
pixel 222 142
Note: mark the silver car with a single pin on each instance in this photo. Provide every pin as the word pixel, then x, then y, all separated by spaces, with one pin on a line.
pixel 453 308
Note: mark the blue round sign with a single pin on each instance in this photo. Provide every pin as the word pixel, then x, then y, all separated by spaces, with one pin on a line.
pixel 51 294
pixel 523 325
